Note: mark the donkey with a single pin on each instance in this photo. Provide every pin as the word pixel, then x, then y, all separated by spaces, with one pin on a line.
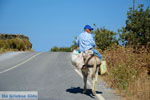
pixel 91 68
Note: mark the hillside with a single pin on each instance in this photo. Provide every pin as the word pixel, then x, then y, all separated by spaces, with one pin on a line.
pixel 14 42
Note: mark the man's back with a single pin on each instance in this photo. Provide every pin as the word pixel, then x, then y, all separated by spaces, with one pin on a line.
pixel 85 41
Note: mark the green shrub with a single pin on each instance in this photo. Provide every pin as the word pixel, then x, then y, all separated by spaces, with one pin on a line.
pixel 104 38
pixel 136 33
pixel 61 49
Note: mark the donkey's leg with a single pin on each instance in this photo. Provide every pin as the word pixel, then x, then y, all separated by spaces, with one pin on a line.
pixel 85 75
pixel 94 69
pixel 94 81
pixel 85 83
pixel 94 84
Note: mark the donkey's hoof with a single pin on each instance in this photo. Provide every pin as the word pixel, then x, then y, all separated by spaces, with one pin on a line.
pixel 84 91
pixel 94 93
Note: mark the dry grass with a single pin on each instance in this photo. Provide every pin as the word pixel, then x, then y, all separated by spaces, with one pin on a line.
pixel 15 44
pixel 10 42
pixel 128 72
pixel 9 50
pixel 5 50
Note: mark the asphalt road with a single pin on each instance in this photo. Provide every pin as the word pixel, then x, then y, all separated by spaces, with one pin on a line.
pixel 49 73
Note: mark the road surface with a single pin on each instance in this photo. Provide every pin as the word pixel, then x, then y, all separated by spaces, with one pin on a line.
pixel 50 74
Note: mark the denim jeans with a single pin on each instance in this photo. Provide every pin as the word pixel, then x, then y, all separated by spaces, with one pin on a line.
pixel 97 53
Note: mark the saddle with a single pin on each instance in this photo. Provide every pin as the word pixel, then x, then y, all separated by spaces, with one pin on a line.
pixel 79 59
pixel 87 54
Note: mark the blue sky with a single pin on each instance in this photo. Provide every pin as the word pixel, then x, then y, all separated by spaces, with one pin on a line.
pixel 51 23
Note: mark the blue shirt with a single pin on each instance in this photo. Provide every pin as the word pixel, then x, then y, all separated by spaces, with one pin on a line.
pixel 85 41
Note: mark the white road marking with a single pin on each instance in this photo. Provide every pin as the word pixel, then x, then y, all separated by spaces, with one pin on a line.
pixel 20 63
pixel 99 96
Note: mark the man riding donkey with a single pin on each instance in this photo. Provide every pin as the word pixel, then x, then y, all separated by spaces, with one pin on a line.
pixel 92 58
pixel 85 41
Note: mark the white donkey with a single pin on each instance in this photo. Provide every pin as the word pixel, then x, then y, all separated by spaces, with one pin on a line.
pixel 91 67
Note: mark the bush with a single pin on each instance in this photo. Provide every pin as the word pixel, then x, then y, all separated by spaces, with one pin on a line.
pixel 136 33
pixel 17 43
pixel 61 49
pixel 104 38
